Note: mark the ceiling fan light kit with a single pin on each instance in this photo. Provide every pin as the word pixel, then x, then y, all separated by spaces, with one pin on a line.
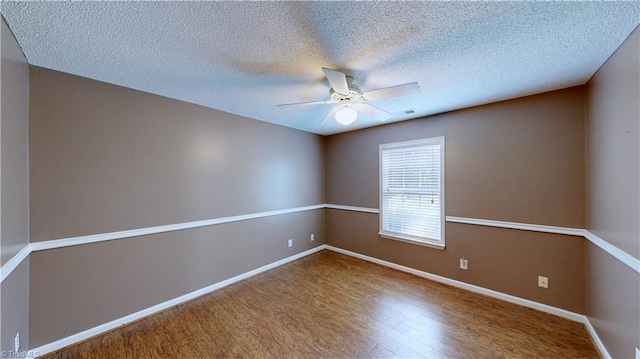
pixel 346 115
pixel 350 100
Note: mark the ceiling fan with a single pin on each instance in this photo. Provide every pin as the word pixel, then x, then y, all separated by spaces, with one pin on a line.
pixel 350 100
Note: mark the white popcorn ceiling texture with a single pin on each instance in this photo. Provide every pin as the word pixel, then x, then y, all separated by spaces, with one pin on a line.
pixel 247 57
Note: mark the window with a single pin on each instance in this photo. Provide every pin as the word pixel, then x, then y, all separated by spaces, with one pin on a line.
pixel 412 191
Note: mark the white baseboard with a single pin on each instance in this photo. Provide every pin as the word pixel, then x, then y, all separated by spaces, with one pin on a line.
pixel 470 287
pixel 492 293
pixel 14 262
pixel 84 335
pixel 596 339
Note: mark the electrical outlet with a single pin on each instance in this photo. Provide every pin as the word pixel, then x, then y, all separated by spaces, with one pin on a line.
pixel 637 353
pixel 16 343
pixel 312 237
pixel 464 264
pixel 290 243
pixel 543 282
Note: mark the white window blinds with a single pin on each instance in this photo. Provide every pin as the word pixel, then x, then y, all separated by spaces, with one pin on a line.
pixel 411 177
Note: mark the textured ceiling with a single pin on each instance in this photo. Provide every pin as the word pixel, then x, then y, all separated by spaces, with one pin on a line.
pixel 248 57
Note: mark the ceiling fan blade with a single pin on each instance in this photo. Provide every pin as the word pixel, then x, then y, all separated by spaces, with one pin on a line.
pixel 338 80
pixel 324 102
pixel 393 91
pixel 373 111
pixel 330 115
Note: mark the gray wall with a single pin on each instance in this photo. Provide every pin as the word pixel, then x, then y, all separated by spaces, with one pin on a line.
pixel 14 183
pixel 520 160
pixel 106 158
pixel 613 197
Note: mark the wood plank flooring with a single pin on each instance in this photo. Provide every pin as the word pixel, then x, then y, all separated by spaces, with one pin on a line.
pixel 329 305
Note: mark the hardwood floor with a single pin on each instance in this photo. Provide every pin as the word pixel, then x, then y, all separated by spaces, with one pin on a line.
pixel 329 305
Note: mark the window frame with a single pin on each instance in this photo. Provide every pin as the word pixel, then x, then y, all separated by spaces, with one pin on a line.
pixel 423 241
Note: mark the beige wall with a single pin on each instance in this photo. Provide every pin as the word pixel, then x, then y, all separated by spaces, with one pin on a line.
pixel 14 183
pixel 520 160
pixel 613 197
pixel 106 158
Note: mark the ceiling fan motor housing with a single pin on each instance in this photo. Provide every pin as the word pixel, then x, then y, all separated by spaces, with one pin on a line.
pixel 354 95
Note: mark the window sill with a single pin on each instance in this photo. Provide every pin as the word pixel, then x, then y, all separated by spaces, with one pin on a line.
pixel 407 239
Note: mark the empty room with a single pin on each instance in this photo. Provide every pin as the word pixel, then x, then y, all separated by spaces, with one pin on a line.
pixel 320 179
